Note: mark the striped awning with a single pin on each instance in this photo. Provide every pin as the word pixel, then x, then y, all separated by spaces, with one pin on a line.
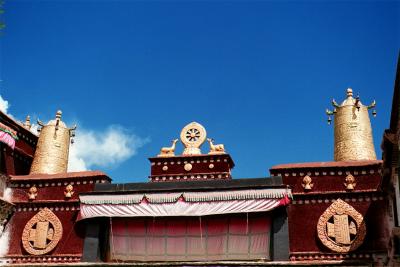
pixel 8 135
pixel 186 196
pixel 182 203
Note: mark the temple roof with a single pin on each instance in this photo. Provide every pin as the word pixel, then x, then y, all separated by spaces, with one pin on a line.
pixel 16 125
pixel 328 164
pixel 67 175
pixel 202 185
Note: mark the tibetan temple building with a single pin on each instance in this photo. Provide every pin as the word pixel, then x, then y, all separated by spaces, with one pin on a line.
pixel 192 212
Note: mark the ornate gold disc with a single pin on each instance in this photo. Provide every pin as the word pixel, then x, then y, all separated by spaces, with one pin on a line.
pixel 42 233
pixel 193 136
pixel 341 228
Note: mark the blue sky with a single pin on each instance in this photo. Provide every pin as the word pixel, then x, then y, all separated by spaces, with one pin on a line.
pixel 258 75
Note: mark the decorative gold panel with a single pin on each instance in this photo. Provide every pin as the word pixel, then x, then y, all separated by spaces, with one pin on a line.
pixel 307 183
pixel 42 233
pixel 350 182
pixel 69 191
pixel 341 228
pixel 32 193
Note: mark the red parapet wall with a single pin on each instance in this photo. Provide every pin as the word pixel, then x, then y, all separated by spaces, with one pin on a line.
pixel 191 167
pixel 326 184
pixel 69 248
pixel 50 194
pixel 303 219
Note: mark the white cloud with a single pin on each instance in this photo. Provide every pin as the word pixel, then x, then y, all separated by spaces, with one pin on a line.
pixel 4 105
pixel 102 149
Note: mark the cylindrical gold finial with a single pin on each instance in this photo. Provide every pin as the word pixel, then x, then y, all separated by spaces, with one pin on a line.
pixel 58 114
pixel 349 92
pixel 51 155
pixel 27 123
pixel 353 132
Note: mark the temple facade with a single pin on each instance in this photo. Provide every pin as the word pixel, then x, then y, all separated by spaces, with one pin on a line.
pixel 192 212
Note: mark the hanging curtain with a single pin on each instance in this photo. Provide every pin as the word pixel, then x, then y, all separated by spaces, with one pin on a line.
pixel 210 238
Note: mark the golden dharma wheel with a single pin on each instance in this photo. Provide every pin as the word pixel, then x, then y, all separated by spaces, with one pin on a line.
pixel 193 136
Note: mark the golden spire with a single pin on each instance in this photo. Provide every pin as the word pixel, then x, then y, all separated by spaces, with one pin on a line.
pixel 51 155
pixel 27 123
pixel 352 129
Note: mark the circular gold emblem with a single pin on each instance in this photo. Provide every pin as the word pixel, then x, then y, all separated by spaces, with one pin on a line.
pixel 188 167
pixel 193 136
pixel 341 228
pixel 42 233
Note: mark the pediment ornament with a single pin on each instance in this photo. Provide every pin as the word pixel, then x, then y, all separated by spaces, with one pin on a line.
pixel 42 233
pixel 341 228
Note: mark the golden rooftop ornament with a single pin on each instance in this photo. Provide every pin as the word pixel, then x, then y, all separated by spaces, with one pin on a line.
pixel 215 149
pixel 27 123
pixel 193 136
pixel 352 129
pixel 51 155
pixel 168 151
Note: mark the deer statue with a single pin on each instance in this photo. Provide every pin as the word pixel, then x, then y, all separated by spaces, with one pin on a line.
pixel 215 149
pixel 168 151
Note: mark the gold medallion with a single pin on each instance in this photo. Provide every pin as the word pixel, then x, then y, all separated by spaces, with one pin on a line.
pixel 42 233
pixel 341 228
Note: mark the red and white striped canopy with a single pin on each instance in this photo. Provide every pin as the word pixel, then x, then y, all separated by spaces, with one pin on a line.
pixel 182 203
